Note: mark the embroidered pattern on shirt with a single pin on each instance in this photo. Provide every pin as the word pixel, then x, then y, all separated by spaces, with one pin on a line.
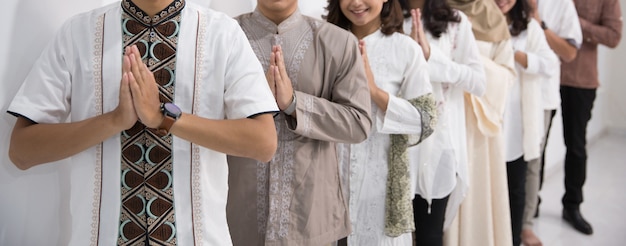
pixel 97 75
pixel 173 9
pixel 276 191
pixel 147 214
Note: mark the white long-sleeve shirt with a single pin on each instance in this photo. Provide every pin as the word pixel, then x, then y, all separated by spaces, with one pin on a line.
pixel 560 16
pixel 523 117
pixel 455 68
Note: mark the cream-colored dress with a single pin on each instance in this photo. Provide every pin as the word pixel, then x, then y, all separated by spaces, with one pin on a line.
pixel 484 216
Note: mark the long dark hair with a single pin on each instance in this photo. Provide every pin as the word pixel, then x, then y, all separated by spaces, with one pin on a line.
pixel 436 14
pixel 391 17
pixel 519 16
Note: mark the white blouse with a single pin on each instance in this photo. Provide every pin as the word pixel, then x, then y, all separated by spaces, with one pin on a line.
pixel 524 106
pixel 455 68
pixel 400 69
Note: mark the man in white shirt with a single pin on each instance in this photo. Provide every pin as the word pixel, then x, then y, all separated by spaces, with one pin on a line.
pixel 147 122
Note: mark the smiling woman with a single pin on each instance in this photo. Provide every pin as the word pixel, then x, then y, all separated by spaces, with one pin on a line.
pixel 403 104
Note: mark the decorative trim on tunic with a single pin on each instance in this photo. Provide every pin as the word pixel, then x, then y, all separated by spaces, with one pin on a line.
pixel 427 107
pixel 275 183
pixel 98 39
pixel 398 206
pixel 167 13
pixel 147 213
pixel 196 192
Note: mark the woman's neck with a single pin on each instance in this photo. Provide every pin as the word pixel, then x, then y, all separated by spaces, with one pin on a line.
pixel 363 31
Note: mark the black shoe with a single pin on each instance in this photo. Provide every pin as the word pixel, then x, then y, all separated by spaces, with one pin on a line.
pixel 574 218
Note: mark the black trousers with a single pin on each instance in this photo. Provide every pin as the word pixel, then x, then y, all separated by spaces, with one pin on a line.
pixel 429 226
pixel 516 177
pixel 576 104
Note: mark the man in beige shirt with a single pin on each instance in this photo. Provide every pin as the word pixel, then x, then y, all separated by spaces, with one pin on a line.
pixel 317 75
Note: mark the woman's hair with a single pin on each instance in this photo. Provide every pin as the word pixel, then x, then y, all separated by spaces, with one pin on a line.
pixel 519 16
pixel 390 16
pixel 436 14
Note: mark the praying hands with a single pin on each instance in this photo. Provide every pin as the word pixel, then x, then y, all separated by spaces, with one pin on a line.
pixel 278 79
pixel 139 93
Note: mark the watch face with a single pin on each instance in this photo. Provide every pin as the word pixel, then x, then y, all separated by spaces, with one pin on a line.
pixel 172 110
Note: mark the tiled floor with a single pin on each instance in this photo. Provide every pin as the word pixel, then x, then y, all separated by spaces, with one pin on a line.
pixel 605 198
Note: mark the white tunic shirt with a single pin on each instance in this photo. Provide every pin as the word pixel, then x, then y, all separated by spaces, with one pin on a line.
pixel 400 69
pixel 78 76
pixel 523 103
pixel 455 68
pixel 560 16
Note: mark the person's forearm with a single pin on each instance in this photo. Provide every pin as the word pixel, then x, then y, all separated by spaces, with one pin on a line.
pixel 35 144
pixel 251 137
pixel 380 98
pixel 565 50
pixel 608 33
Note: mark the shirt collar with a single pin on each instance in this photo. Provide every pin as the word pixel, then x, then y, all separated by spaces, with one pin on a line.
pixel 167 13
pixel 284 26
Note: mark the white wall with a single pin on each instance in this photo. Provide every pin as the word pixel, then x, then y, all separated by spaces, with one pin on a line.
pixel 613 80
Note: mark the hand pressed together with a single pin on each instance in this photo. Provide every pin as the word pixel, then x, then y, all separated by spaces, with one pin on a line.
pixel 417 32
pixel 368 70
pixel 379 96
pixel 139 93
pixel 278 79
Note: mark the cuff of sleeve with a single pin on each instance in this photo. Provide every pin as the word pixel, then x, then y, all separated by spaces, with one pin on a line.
pixel 292 107
pixel 391 122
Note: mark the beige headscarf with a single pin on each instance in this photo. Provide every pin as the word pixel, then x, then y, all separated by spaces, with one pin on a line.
pixel 488 23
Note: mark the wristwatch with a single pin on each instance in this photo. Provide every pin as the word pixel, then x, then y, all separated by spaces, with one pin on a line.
pixel 171 113
pixel 543 25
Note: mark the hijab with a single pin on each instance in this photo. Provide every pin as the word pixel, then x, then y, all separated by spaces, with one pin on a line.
pixel 488 23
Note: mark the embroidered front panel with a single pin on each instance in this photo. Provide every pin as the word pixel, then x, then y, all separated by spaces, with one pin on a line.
pixel 275 183
pixel 147 206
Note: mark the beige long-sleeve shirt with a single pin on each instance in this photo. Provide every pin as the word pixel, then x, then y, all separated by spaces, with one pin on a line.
pixel 297 198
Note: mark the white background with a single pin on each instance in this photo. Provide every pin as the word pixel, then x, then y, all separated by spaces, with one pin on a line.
pixel 30 205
